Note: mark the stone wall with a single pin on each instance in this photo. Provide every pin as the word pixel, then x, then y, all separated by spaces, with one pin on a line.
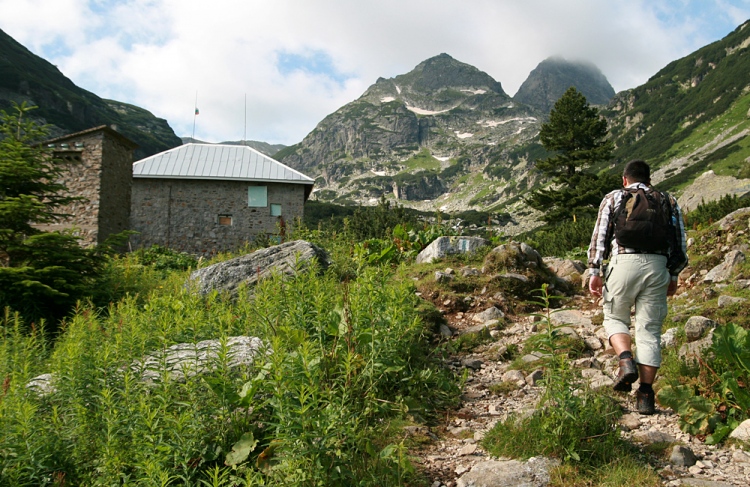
pixel 99 163
pixel 203 217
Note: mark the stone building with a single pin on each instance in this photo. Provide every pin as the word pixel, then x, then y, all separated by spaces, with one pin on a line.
pixel 204 198
pixel 100 166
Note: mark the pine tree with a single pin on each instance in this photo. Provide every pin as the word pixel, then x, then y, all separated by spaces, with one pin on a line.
pixel 576 134
pixel 42 274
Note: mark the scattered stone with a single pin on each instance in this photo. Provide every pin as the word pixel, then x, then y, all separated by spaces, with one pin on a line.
pixel 742 283
pixel 739 456
pixel 593 343
pixel 691 351
pixel 568 331
pixel 491 313
pixel 442 277
pixel 653 436
pixel 630 421
pixel 469 449
pixel 693 482
pixel 470 271
pixel 572 317
pixel 533 378
pixel 286 259
pixel 696 326
pixel 446 331
pixel 443 246
pixel 682 456
pixel 723 271
pixel 742 432
pixel 472 363
pixel 514 376
pixel 725 301
pixel 669 338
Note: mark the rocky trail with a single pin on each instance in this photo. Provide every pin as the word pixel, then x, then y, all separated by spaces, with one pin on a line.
pixel 452 454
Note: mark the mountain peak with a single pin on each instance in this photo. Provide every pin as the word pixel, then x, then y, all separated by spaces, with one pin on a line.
pixel 553 76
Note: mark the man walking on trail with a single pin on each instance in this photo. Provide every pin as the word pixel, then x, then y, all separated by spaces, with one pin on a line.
pixel 646 257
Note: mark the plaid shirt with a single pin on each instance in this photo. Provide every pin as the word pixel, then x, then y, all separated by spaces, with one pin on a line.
pixel 600 243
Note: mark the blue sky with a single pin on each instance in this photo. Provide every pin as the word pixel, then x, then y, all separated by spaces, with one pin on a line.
pixel 296 61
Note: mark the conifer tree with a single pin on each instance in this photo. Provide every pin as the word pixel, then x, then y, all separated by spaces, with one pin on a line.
pixel 576 134
pixel 42 274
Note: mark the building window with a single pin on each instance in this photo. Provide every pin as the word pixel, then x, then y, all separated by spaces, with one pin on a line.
pixel 275 210
pixel 225 220
pixel 257 196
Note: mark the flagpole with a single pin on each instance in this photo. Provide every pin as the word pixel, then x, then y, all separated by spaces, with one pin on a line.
pixel 244 134
pixel 195 114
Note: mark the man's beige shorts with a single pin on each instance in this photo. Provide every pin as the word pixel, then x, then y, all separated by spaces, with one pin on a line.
pixel 639 280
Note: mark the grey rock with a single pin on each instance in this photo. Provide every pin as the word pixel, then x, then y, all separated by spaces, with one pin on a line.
pixel 491 313
pixel 287 259
pixel 693 482
pixel 472 363
pixel 469 449
pixel 567 331
pixel 514 276
pixel 442 276
pixel 731 220
pixel 446 331
pixel 566 269
pixel 470 271
pixel 513 376
pixel 652 436
pixel 682 456
pixel 533 378
pixel 723 271
pixel 742 432
pixel 593 343
pixel 739 456
pixel 696 326
pixel 572 317
pixel 691 351
pixel 509 473
pixel 189 359
pixel 442 246
pixel 725 301
pixel 43 385
pixel 742 283
pixel 669 338
pixel 630 421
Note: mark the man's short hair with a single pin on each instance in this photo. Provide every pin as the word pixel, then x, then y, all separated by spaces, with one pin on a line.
pixel 637 171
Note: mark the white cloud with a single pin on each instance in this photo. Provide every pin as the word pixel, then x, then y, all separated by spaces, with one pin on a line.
pixel 158 53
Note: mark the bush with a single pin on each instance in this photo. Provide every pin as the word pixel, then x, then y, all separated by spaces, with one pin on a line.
pixel 708 213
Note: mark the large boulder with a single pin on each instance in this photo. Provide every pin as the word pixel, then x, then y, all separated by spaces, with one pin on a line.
pixel 189 359
pixel 443 246
pixel 228 276
pixel 535 472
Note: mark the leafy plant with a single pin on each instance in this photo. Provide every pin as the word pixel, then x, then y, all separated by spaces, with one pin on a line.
pixel 720 408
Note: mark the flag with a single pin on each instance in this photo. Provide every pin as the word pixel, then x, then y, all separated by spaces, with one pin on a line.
pixel 196 111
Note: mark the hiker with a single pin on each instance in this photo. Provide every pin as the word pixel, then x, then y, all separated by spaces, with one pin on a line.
pixel 642 231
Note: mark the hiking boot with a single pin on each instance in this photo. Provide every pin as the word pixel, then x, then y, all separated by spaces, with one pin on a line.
pixel 645 402
pixel 627 374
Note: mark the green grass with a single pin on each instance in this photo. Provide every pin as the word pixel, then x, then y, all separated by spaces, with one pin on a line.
pixel 342 358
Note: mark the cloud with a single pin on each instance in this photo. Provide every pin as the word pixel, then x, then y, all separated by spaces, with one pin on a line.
pixel 297 61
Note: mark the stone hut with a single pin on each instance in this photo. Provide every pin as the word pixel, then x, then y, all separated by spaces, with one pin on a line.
pixel 100 162
pixel 205 198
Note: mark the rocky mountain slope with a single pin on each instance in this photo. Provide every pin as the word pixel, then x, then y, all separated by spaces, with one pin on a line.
pixel 436 137
pixel 68 108
pixel 553 76
pixel 446 136
pixel 262 147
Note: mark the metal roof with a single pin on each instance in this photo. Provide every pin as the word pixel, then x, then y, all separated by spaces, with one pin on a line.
pixel 215 161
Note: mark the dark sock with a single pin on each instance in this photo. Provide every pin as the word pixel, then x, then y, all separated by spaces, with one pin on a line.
pixel 626 354
pixel 646 388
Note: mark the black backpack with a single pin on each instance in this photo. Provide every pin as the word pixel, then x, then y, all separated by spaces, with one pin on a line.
pixel 643 221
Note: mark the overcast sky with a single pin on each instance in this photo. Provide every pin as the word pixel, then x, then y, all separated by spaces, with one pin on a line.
pixel 289 63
